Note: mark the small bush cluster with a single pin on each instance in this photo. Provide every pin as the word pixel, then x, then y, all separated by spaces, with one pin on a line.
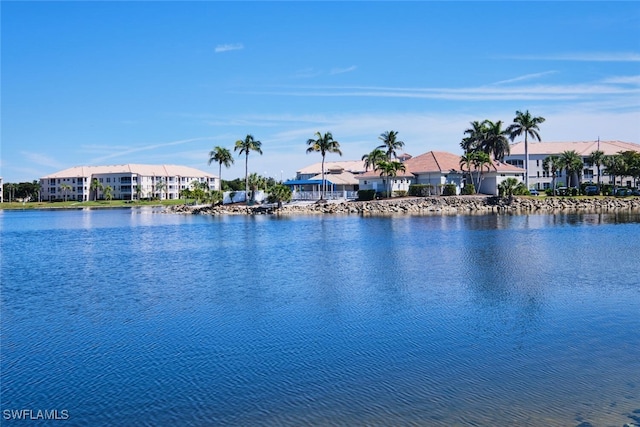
pixel 400 193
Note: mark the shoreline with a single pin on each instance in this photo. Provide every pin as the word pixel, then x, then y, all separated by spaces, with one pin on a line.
pixel 454 205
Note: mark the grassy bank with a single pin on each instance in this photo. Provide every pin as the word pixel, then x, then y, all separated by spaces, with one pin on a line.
pixel 92 204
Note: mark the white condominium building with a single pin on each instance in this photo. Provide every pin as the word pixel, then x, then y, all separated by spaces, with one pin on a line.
pixel 541 179
pixel 127 182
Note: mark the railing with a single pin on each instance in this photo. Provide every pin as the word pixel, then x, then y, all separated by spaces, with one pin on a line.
pixel 328 195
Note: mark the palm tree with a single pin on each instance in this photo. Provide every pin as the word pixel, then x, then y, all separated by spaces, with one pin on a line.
pixel 508 187
pixel 246 146
pixel 552 165
pixel 138 191
pixel 222 156
pixel 65 189
pixel 596 158
pixel 477 160
pixel 108 193
pixel 255 182
pixel 390 143
pixel 95 186
pixel 475 136
pixel 571 162
pixel 160 187
pixel 527 124
pixel 279 193
pixel 495 142
pixel 390 169
pixel 323 144
pixel 615 167
pixel 373 158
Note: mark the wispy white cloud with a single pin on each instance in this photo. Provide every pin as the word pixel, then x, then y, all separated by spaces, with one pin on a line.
pixel 131 150
pixel 228 47
pixel 343 70
pixel 480 93
pixel 632 80
pixel 583 57
pixel 525 77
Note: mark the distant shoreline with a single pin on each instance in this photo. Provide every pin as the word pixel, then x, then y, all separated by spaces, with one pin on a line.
pixel 425 206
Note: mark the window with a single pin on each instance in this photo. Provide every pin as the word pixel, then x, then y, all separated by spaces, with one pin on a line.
pixel 108 179
pixel 100 179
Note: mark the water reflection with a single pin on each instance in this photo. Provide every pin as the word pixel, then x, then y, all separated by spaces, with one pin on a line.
pixel 440 320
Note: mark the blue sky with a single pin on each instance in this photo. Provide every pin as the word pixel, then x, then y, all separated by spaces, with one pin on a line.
pixel 88 83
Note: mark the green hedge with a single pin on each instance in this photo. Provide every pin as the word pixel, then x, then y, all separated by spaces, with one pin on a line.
pixel 364 195
pixel 449 190
pixel 421 190
pixel 468 189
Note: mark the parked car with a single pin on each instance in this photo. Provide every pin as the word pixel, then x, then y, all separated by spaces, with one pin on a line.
pixel 534 192
pixel 636 192
pixel 591 190
pixel 623 192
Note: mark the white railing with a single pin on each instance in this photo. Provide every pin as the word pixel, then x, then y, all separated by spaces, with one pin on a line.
pixel 328 195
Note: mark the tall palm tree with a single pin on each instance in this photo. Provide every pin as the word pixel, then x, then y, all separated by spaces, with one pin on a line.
pixel 245 146
pixel 475 136
pixel 95 186
pixel 390 143
pixel 478 161
pixel 373 158
pixel 571 162
pixel 390 169
pixel 596 158
pixel 552 165
pixel 527 124
pixel 495 142
pixel 222 156
pixel 615 167
pixel 323 144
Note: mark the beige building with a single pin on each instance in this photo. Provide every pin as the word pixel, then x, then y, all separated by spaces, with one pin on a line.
pixel 439 168
pixel 538 151
pixel 127 182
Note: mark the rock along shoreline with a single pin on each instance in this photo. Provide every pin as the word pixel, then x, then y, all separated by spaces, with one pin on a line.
pixel 453 205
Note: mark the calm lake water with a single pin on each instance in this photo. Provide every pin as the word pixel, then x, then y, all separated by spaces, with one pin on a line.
pixel 133 317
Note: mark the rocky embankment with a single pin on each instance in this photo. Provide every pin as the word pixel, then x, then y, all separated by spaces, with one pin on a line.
pixel 429 205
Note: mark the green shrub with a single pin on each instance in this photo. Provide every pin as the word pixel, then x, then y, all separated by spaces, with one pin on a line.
pixel 449 190
pixel 364 195
pixel 468 189
pixel 421 190
pixel 549 191
pixel 400 193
